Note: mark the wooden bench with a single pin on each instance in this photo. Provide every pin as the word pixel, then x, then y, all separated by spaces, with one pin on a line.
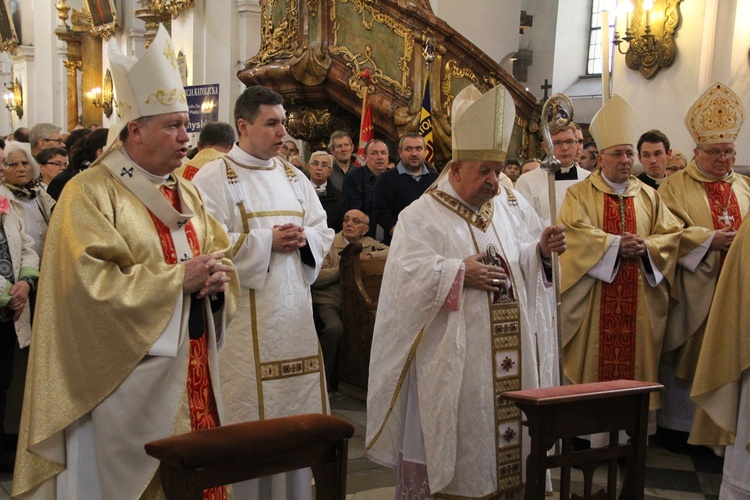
pixel 360 288
pixel 576 410
pixel 193 462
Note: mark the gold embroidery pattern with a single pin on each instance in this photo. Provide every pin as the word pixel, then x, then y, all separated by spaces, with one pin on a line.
pixel 169 54
pixel 479 220
pixel 123 108
pixel 290 368
pixel 166 97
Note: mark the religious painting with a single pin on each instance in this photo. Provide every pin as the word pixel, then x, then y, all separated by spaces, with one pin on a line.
pixel 493 257
pixel 8 37
pixel 103 17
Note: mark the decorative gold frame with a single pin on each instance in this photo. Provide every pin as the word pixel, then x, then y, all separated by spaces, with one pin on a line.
pixel 16 104
pixel 454 71
pixel 8 37
pixel 358 62
pixel 172 7
pixel 650 37
pixel 108 94
pixel 103 15
pixel 277 40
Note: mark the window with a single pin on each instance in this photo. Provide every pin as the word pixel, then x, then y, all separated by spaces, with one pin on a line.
pixel 594 66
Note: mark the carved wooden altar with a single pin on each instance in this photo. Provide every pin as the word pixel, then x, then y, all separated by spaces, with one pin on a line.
pixel 312 52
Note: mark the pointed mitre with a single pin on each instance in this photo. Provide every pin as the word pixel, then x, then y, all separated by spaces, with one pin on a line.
pixel 716 116
pixel 150 85
pixel 482 124
pixel 614 124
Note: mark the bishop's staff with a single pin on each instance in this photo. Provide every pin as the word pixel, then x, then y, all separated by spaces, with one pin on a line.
pixel 559 110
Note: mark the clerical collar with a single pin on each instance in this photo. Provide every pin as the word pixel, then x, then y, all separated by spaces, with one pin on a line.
pixel 567 174
pixel 618 188
pixel 402 170
pixel 710 175
pixel 657 181
pixel 242 156
pixel 447 188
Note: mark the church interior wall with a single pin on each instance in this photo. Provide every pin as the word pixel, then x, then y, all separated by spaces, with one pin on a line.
pixel 540 39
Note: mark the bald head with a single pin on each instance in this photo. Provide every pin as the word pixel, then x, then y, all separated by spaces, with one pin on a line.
pixel 356 225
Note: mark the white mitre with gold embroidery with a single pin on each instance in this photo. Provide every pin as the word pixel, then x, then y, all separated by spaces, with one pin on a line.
pixel 150 85
pixel 482 124
pixel 614 124
pixel 716 116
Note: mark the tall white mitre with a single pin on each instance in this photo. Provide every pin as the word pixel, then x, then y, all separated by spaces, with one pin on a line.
pixel 616 123
pixel 482 124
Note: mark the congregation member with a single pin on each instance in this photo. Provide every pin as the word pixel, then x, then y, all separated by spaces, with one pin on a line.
pixel 289 149
pixel 619 267
pixel 512 169
pixel 676 163
pixel 460 290
pixel 83 153
pixel 534 185
pixel 18 278
pixel 214 141
pixel 271 366
pixel 43 136
pixel 326 291
pixel 359 183
pixel 588 156
pixel 341 147
pixel 711 200
pixel 654 154
pixel 52 161
pixel 123 351
pixel 398 187
pixel 721 389
pixel 21 134
pixel 333 201
pixel 28 198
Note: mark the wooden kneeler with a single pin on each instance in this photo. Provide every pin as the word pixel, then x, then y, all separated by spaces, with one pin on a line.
pixel 575 410
pixel 193 462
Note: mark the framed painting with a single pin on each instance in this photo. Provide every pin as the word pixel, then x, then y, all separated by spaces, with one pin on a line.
pixel 8 37
pixel 103 17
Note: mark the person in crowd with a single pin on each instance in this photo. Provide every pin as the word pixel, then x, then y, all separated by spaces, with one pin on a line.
pixel 74 137
pixel 214 141
pixel 530 164
pixel 512 169
pixel 588 156
pixel 653 153
pixel 82 154
pixel 341 147
pixel 460 290
pixel 272 366
pixel 360 182
pixel 133 286
pixel 326 291
pixel 676 163
pixel 299 162
pixel 43 136
pixel 332 200
pixel 52 161
pixel 395 189
pixel 711 200
pixel 619 268
pixel 21 134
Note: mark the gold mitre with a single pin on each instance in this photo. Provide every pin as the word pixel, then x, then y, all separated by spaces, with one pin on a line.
pixel 150 85
pixel 614 124
pixel 716 116
pixel 482 124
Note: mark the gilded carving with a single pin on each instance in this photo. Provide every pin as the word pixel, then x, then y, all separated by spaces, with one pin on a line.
pixel 311 67
pixel 359 61
pixel 277 40
pixel 312 7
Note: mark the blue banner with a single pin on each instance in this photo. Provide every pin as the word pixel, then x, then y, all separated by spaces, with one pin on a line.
pixel 203 105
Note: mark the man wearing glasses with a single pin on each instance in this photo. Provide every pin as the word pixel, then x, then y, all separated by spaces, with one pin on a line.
pixel 711 200
pixel 617 272
pixel 43 136
pixel 533 186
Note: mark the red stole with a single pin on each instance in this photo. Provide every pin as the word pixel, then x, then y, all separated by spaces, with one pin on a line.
pixel 189 172
pixel 203 411
pixel 725 209
pixel 617 317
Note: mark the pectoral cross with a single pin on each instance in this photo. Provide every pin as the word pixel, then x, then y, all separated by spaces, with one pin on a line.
pixel 726 219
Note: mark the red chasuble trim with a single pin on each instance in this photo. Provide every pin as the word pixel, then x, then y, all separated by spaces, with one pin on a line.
pixel 203 411
pixel 725 209
pixel 617 317
pixel 189 172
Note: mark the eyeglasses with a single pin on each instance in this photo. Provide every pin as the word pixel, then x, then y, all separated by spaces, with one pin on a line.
pixel 59 141
pixel 355 220
pixel 570 143
pixel 16 164
pixel 316 163
pixel 630 154
pixel 580 141
pixel 57 164
pixel 717 153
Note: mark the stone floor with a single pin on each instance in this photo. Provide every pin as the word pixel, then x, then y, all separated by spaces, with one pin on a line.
pixel 668 475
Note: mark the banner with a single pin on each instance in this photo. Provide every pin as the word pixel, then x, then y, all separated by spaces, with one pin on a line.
pixel 203 105
pixel 366 132
pixel 425 124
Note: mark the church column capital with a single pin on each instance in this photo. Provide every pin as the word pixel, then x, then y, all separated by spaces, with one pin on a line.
pixel 247 7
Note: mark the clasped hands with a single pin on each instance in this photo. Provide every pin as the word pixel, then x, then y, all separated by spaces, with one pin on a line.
pixel 288 237
pixel 205 274
pixel 632 246
pixel 19 297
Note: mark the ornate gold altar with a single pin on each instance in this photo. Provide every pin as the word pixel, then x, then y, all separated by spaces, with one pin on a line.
pixel 313 51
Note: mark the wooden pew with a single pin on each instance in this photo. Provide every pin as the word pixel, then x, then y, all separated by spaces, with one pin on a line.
pixel 360 288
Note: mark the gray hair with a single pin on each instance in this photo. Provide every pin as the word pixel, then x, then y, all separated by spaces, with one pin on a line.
pixel 42 131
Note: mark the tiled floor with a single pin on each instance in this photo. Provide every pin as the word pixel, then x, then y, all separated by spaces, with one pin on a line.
pixel 668 475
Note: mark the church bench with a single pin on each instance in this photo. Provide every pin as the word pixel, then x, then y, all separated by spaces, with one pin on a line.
pixel 360 287
pixel 205 459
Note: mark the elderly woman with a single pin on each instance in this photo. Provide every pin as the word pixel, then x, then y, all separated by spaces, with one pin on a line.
pixel 17 280
pixel 52 161
pixel 31 202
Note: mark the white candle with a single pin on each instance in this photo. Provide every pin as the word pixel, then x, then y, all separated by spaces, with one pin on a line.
pixel 605 56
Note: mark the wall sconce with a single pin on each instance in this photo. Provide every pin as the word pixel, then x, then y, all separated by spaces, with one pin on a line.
pixel 103 97
pixel 650 27
pixel 14 98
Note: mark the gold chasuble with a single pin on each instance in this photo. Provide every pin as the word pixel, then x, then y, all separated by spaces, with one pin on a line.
pixel 703 204
pixel 614 328
pixel 111 286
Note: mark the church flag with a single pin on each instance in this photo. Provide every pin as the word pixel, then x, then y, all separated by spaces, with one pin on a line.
pixel 366 132
pixel 425 124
